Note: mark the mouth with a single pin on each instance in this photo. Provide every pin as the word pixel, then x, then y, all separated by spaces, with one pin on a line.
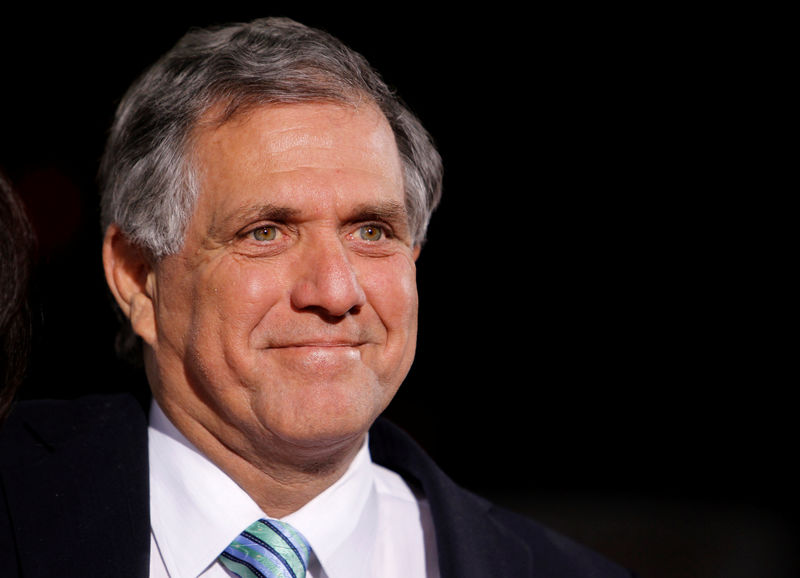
pixel 324 344
pixel 320 356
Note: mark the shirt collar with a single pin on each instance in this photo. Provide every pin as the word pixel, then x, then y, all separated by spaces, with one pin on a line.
pixel 194 502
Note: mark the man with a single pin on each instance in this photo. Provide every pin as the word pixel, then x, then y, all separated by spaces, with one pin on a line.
pixel 265 197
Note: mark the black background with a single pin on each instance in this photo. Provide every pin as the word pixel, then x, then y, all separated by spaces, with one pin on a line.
pixel 594 328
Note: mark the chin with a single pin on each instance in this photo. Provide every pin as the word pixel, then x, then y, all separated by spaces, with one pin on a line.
pixel 324 416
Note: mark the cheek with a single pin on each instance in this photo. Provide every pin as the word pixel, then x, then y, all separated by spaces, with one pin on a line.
pixel 176 303
pixel 225 304
pixel 392 291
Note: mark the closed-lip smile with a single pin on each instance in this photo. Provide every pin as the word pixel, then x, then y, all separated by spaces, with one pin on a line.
pixel 319 343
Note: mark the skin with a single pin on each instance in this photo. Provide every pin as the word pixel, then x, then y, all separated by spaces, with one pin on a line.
pixel 288 320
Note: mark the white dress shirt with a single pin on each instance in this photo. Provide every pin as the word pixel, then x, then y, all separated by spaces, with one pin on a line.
pixel 368 524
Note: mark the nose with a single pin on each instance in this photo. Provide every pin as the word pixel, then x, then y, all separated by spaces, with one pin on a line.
pixel 328 283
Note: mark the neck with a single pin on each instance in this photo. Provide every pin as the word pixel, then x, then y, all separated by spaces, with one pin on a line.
pixel 280 491
pixel 280 477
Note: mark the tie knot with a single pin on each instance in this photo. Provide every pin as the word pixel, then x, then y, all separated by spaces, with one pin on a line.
pixel 268 549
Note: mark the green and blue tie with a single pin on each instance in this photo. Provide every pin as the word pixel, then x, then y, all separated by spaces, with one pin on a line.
pixel 268 549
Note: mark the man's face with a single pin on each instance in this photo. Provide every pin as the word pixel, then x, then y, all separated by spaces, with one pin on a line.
pixel 291 312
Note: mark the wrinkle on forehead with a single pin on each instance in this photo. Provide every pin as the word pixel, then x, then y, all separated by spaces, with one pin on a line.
pixel 307 135
pixel 214 120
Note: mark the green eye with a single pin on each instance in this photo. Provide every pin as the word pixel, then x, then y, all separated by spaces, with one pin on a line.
pixel 267 233
pixel 371 233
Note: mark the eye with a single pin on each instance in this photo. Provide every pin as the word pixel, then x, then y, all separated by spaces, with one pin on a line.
pixel 370 232
pixel 266 233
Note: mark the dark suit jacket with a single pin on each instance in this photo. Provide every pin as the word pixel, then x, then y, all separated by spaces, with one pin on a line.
pixel 74 501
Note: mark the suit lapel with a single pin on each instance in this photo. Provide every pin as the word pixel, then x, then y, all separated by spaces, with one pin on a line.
pixel 471 543
pixel 78 497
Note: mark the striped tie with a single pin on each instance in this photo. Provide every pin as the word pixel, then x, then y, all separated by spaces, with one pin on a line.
pixel 267 549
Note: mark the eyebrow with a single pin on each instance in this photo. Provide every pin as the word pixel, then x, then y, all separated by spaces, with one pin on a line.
pixel 391 212
pixel 232 222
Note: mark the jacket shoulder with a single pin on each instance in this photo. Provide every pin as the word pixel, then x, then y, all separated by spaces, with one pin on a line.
pixel 554 554
pixel 476 538
pixel 38 426
pixel 81 467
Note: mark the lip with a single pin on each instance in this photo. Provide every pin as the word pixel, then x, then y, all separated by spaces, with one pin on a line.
pixel 319 356
pixel 319 345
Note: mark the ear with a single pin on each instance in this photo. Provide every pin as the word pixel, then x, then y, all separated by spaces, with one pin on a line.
pixel 417 250
pixel 130 276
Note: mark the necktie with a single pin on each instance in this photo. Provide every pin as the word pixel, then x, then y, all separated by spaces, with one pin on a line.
pixel 267 549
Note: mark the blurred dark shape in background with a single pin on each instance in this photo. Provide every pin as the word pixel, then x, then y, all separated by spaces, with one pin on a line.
pixel 17 244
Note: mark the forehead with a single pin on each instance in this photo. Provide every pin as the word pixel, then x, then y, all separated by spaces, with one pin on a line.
pixel 290 153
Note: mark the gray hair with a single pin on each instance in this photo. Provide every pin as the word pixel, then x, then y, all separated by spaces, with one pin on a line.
pixel 147 181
